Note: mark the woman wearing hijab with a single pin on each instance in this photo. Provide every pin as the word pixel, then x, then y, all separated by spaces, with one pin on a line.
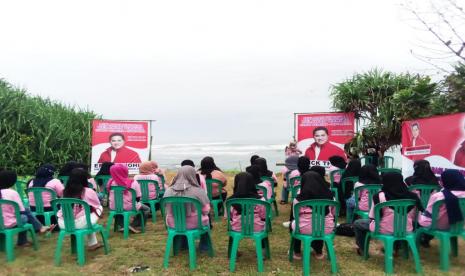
pixel 67 168
pixel 8 180
pixel 120 177
pixel 104 170
pixel 368 175
pixel 289 171
pixel 186 184
pixel 254 170
pixel 163 184
pixel 352 170
pixel 209 170
pixel 44 179
pixel 320 170
pixel 422 174
pixel 146 172
pixel 393 188
pixel 252 160
pixel 449 213
pixel 261 163
pixel 313 186
pixel 337 163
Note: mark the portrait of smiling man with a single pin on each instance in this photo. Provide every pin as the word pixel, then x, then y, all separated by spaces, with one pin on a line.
pixel 118 152
pixel 322 148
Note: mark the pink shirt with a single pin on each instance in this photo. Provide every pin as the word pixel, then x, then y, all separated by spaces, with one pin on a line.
pixel 9 216
pixel 92 181
pixel 89 196
pixel 337 176
pixel 443 220
pixel 191 219
pixel 269 189
pixel 53 184
pixel 127 196
pixel 258 221
pixel 152 189
pixel 362 198
pixel 386 225
pixel 293 174
pixel 305 220
pixel 220 176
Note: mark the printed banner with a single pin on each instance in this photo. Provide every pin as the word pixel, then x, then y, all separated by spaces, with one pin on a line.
pixel 124 142
pixel 438 139
pixel 322 135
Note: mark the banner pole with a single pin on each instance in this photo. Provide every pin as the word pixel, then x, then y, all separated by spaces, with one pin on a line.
pixel 150 141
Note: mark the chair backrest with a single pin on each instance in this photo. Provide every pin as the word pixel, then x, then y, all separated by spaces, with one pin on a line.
pixel 365 160
pixel 144 188
pixel 247 206
pixel 64 179
pixel 372 189
pixel 400 209
pixel 425 191
pixel 177 205
pixel 333 174
pixel 455 229
pixel 20 187
pixel 37 193
pixel 264 191
pixel 162 179
pixel 344 181
pixel 388 162
pixel 294 191
pixel 319 207
pixel 386 170
pixel 102 180
pixel 68 205
pixel 118 192
pixel 15 206
pixel 209 183
pixel 273 184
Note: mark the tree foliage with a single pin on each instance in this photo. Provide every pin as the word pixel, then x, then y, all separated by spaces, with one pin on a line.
pixel 34 131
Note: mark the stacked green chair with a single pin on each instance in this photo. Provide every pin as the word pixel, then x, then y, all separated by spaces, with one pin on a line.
pixel 372 190
pixel 7 242
pixel 333 174
pixel 294 188
pixel 272 200
pixel 67 206
pixel 144 188
pixel 388 162
pixel 318 232
pixel 37 193
pixel 20 188
pixel 365 160
pixel 119 210
pixel 388 170
pixel 176 205
pixel 64 179
pixel 425 191
pixel 247 230
pixel 448 239
pixel 400 209
pixel 215 202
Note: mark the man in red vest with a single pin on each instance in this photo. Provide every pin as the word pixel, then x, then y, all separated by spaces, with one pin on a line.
pixel 118 152
pixel 322 148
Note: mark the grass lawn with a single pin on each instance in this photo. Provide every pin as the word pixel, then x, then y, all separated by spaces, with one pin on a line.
pixel 148 249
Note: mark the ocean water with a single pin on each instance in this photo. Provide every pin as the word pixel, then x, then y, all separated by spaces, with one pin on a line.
pixel 227 155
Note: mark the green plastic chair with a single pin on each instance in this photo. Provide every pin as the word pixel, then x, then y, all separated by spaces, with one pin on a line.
pixel 388 170
pixel 7 242
pixel 161 191
pixel 215 202
pixel 318 207
pixel 177 205
pixel 67 206
pixel 425 191
pixel 294 189
pixel 39 207
pixel 264 192
pixel 20 188
pixel 144 188
pixel 119 210
pixel 335 192
pixel 448 241
pixel 372 190
pixel 400 209
pixel 388 162
pixel 344 181
pixel 247 230
pixel 272 200
pixel 365 160
pixel 64 179
pixel 333 174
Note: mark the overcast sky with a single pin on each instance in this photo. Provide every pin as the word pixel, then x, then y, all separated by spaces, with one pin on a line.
pixel 205 70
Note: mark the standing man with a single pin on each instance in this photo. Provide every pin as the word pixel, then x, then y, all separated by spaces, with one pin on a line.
pixel 118 152
pixel 322 148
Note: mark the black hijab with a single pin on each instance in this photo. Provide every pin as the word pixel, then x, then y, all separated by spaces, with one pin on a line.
pixel 244 187
pixel 394 188
pixel 67 168
pixel 313 186
pixel 261 163
pixel 207 166
pixel 303 165
pixel 422 174
pixel 452 180
pixel 188 162
pixel 7 180
pixel 353 169
pixel 320 170
pixel 369 175
pixel 43 175
pixel 254 170
pixel 338 161
pixel 105 168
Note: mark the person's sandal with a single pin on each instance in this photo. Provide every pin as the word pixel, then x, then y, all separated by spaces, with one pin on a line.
pixel 95 247
pixel 47 229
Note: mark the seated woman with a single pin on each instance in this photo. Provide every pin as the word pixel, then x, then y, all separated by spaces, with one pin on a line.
pixel 7 180
pixel 161 174
pixel 422 174
pixel 393 188
pixel 255 172
pixel 209 170
pixel 119 177
pixel 261 163
pixel 289 171
pixel 449 213
pixel 186 184
pixel 337 163
pixel 146 172
pixel 368 175
pixel 313 186
pixel 77 188
pixel 352 170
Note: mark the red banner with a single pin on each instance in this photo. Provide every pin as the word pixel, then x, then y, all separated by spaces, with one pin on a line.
pixel 322 135
pixel 438 139
pixel 124 142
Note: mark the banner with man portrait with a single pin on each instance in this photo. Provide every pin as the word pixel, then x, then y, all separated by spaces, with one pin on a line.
pixel 322 135
pixel 438 139
pixel 126 142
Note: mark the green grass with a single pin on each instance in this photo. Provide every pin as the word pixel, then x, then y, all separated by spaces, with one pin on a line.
pixel 148 249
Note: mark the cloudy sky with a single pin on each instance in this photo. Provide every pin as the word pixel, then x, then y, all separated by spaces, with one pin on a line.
pixel 205 70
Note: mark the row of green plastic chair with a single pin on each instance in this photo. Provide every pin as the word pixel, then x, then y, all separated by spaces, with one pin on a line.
pixel 386 161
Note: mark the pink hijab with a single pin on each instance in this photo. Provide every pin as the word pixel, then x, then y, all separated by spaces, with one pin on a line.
pixel 155 168
pixel 119 174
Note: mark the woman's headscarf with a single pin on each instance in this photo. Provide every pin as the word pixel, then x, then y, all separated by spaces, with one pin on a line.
pixel 67 168
pixel 207 166
pixel 422 174
pixel 43 175
pixel 369 175
pixel 452 180
pixel 303 164
pixel 244 187
pixel 7 179
pixel 105 168
pixel 155 167
pixel 254 170
pixel 188 162
pixel 320 170
pixel 120 175
pixel 291 163
pixel 313 186
pixel 338 161
pixel 394 188
pixel 353 169
pixel 146 168
pixel 261 163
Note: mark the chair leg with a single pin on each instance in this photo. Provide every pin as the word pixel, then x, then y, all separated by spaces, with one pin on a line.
pixel 454 246
pixel 80 250
pixel 276 208
pixel 388 257
pixel 61 236
pixel 267 248
pixel 154 212
pixel 211 252
pixel 215 212
pixel 109 223
pixel 306 257
pixel 444 251
pixel 9 247
pixel 331 255
pixel 33 238
pixel 291 250
pixel 48 222
pixel 192 254
pixel 104 236
pixel 366 249
pixel 169 243
pixel 416 255
pixel 232 259
pixel 142 222
pixel 258 249
pixel 126 226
